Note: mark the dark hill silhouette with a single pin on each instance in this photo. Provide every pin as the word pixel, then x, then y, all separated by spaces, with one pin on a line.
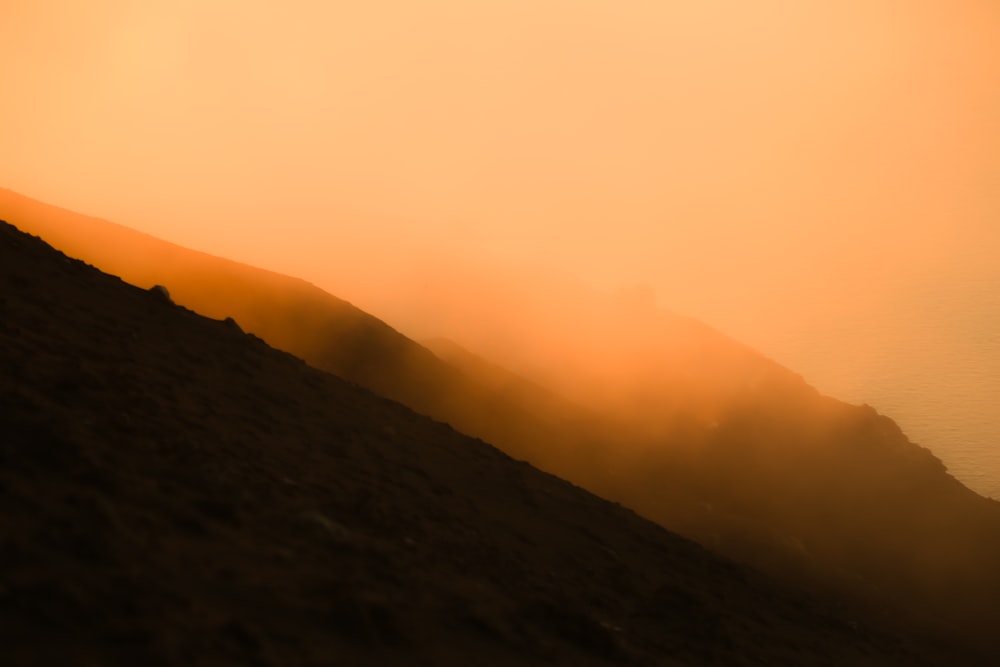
pixel 714 441
pixel 175 492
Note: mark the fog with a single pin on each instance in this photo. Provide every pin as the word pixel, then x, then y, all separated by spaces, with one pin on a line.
pixel 775 169
pixel 557 186
pixel 655 411
pixel 720 152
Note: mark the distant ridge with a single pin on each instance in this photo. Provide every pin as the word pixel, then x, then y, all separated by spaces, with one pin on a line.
pixel 830 496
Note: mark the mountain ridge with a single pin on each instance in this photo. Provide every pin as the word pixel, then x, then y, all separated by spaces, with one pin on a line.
pixel 177 492
pixel 766 471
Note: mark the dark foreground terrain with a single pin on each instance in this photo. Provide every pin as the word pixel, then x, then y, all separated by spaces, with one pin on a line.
pixel 175 492
pixel 682 424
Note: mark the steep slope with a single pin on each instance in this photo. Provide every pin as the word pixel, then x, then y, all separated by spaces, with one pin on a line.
pixel 293 315
pixel 728 448
pixel 175 492
pixel 679 423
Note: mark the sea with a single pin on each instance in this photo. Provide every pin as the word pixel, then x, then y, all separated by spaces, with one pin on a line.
pixel 929 359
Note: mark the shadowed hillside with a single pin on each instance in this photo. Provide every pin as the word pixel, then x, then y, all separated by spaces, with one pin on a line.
pixel 175 492
pixel 678 422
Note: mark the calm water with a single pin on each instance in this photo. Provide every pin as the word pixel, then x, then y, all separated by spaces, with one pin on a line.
pixel 930 359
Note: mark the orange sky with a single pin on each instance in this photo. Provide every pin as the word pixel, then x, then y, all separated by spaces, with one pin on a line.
pixel 771 162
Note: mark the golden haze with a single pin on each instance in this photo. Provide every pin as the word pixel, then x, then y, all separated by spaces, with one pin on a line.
pixel 471 169
pixel 672 419
pixel 769 168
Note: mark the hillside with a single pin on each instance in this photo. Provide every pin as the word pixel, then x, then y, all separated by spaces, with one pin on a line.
pixel 175 492
pixel 293 315
pixel 678 423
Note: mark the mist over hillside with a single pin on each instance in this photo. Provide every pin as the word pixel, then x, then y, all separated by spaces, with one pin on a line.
pixel 175 492
pixel 653 410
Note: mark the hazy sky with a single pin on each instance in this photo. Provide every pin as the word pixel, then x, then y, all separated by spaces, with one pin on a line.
pixel 744 159
pixel 818 178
